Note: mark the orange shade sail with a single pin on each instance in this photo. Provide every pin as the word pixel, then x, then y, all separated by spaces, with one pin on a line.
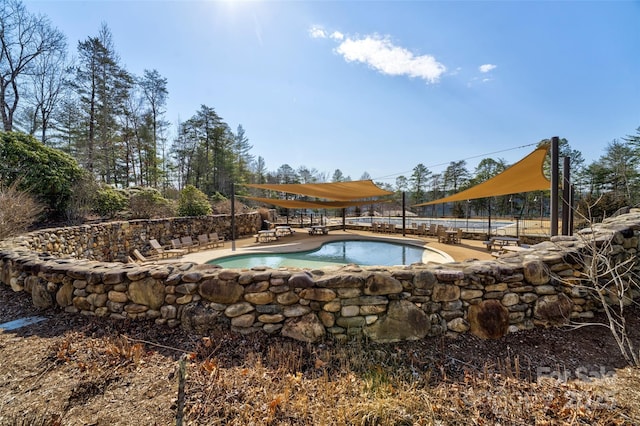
pixel 300 204
pixel 524 176
pixel 337 191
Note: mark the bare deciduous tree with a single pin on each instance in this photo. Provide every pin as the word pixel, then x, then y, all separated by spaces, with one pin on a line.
pixel 47 88
pixel 23 38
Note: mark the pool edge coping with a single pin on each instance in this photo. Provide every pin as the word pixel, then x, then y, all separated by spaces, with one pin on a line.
pixel 310 243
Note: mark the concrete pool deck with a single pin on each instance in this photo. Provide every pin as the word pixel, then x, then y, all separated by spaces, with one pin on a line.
pixel 302 241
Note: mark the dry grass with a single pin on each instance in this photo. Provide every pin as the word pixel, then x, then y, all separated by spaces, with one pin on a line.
pixel 344 388
pixel 94 373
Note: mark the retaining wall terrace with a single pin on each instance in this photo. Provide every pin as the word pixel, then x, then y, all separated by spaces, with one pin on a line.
pixel 114 241
pixel 67 268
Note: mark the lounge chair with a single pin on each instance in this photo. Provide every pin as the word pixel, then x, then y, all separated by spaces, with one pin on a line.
pixel 167 252
pixel 203 241
pixel 214 238
pixel 139 257
pixel 176 244
pixel 189 244
pixel 208 242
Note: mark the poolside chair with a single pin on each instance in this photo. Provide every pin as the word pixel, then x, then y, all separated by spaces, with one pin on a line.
pixel 217 240
pixel 165 252
pixel 205 242
pixel 189 244
pixel 176 244
pixel 139 257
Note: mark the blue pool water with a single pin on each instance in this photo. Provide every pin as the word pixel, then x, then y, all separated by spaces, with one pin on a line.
pixel 364 253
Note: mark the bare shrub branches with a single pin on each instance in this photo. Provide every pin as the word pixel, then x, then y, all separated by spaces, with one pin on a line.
pixel 610 276
pixel 18 210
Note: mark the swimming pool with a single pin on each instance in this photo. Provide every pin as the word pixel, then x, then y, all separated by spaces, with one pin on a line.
pixel 361 252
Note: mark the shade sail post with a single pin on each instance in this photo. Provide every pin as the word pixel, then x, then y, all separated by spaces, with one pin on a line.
pixel 553 202
pixel 489 221
pixel 404 215
pixel 344 219
pixel 566 195
pixel 233 216
pixel 573 194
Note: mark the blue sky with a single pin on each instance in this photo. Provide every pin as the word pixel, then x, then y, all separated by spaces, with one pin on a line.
pixel 380 86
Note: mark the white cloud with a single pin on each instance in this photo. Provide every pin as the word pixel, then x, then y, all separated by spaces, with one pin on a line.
pixel 487 67
pixel 337 35
pixel 317 32
pixel 382 55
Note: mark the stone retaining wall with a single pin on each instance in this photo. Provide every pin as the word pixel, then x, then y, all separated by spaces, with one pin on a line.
pixel 489 298
pixel 114 241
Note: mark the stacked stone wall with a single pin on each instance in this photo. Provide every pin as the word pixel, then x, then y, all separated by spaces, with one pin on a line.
pixel 542 286
pixel 114 241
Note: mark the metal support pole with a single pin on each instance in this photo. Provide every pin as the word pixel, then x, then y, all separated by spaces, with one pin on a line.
pixel 553 202
pixel 489 224
pixel 571 204
pixel 404 228
pixel 566 196
pixel 233 217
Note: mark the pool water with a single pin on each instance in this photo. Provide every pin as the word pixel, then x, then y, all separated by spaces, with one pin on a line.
pixel 366 253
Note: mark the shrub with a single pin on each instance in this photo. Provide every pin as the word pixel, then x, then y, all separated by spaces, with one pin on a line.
pixel 217 197
pixel 147 203
pixel 193 202
pixel 83 197
pixel 110 201
pixel 224 207
pixel 18 211
pixel 45 172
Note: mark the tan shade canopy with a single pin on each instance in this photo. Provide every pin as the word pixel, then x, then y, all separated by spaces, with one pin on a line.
pixel 338 191
pixel 299 204
pixel 524 176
